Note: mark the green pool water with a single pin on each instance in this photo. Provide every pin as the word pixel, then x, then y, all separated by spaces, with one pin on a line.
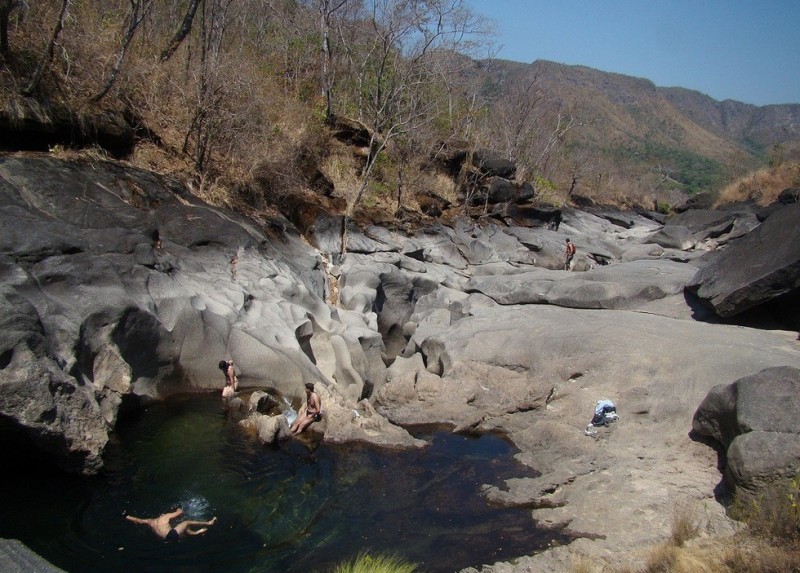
pixel 297 507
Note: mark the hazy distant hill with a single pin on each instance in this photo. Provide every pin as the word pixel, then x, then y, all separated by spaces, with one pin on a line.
pixel 631 122
pixel 760 127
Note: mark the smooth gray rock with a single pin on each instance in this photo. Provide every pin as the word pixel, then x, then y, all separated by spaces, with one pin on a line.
pixel 755 269
pixel 755 419
pixel 621 286
pixel 675 237
pixel 117 284
pixel 757 460
pixel 768 401
pixel 16 557
pixel 169 302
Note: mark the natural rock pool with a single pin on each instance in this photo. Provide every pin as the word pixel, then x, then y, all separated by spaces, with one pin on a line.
pixel 290 508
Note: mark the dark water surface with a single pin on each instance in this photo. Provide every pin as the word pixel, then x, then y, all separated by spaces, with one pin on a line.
pixel 290 508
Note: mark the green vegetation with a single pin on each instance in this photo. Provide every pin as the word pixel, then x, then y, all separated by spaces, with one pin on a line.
pixel 366 563
pixel 663 207
pixel 775 513
pixel 695 172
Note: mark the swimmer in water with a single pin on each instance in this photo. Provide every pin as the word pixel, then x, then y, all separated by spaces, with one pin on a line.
pixel 163 527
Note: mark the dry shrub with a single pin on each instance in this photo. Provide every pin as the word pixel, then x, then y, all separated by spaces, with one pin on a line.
pixel 662 559
pixel 770 545
pixel 762 186
pixel 749 557
pixel 669 558
pixel 342 169
pixel 443 186
pixel 367 563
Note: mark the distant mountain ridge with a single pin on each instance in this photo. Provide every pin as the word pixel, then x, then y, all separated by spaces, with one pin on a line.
pixel 630 122
pixel 761 125
pixel 742 122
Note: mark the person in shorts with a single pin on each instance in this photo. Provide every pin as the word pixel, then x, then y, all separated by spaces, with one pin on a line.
pixel 162 525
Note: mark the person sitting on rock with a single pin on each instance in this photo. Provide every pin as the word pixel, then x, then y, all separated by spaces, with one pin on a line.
pixel 231 381
pixel 162 526
pixel 310 413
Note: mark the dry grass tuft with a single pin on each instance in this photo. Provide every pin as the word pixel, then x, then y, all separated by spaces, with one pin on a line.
pixel 366 563
pixel 583 564
pixel 685 525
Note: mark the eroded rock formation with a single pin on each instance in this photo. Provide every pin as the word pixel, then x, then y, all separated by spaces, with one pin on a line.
pixel 119 286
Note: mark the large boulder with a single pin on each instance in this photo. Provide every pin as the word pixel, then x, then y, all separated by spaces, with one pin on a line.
pixel 501 190
pixel 703 223
pixel 755 420
pixel 674 237
pixel 702 200
pixel 760 267
pixel 492 163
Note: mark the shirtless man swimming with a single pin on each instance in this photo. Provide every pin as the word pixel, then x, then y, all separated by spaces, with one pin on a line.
pixel 162 527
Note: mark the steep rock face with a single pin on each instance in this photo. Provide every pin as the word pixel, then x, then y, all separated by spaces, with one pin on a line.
pixel 755 269
pixel 755 421
pixel 119 285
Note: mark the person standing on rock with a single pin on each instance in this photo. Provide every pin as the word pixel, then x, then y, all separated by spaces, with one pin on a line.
pixel 231 381
pixel 312 412
pixel 569 254
pixel 162 526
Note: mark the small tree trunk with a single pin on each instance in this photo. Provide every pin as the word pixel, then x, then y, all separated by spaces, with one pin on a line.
pixel 183 31
pixel 135 19
pixel 47 57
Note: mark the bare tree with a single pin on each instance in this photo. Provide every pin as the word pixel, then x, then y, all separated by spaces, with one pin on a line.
pixel 49 51
pixel 396 72
pixel 564 122
pixel 211 88
pixel 138 11
pixel 515 116
pixel 527 127
pixel 327 9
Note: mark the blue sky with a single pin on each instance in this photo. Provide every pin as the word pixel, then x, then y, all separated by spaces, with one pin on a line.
pixel 745 50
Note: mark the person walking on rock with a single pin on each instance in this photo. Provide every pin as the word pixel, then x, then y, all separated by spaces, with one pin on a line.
pixel 312 412
pixel 569 254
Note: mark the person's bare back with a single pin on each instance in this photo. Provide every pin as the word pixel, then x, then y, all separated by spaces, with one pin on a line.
pixel 163 527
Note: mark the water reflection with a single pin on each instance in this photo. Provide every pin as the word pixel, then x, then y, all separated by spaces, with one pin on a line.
pixel 289 508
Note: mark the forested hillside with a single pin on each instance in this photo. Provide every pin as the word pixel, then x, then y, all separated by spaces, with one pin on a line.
pixel 363 102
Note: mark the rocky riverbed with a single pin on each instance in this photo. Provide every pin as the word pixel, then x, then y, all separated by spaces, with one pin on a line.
pixel 120 287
